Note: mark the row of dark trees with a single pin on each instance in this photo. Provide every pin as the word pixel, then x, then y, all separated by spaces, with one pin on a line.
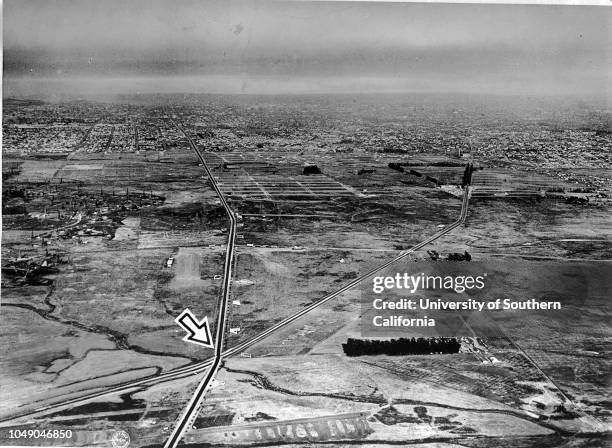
pixel 467 173
pixel 401 346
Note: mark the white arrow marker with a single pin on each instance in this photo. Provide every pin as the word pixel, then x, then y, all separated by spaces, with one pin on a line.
pixel 198 332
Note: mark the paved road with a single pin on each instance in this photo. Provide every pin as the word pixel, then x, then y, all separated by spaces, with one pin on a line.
pixel 404 254
pixel 194 403
pixel 185 420
pixel 191 369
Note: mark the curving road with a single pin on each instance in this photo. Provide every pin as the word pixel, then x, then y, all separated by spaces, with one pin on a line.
pixel 194 404
pixel 213 363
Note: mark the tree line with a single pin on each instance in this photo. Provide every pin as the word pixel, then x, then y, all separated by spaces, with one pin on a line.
pixel 401 346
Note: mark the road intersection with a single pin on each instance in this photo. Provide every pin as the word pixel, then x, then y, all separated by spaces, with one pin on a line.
pixel 212 364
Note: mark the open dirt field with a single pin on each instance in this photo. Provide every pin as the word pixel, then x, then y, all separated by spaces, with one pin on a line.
pixel 108 239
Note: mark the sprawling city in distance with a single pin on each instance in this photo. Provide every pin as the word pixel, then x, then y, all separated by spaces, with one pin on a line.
pixel 306 224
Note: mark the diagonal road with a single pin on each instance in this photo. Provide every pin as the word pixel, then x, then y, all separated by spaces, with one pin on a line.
pixel 194 404
pixel 191 369
pixel 404 254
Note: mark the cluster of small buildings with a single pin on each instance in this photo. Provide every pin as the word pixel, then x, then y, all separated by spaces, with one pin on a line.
pixel 545 149
pixel 32 139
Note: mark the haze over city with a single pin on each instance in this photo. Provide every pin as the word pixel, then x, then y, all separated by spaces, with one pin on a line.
pixel 90 47
pixel 291 223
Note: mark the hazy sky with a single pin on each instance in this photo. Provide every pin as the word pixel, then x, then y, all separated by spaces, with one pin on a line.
pixel 266 46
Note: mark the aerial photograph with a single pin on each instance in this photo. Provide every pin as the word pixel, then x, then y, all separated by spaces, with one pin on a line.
pixel 284 223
